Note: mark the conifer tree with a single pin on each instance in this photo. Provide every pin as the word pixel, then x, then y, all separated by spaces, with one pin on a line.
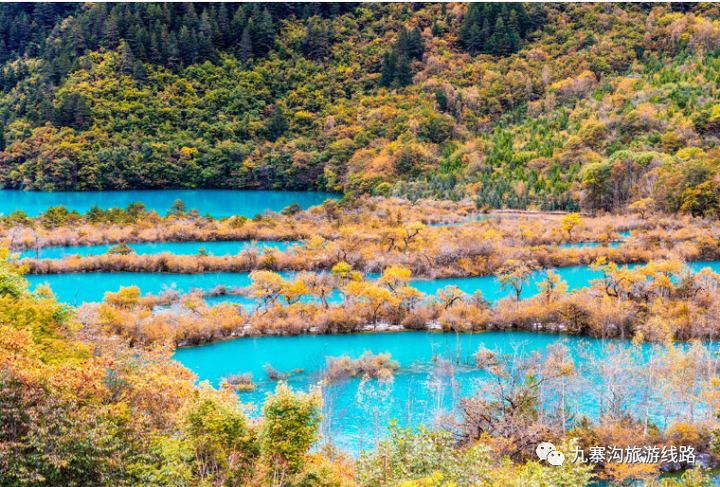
pixel 500 44
pixel 246 50
pixel 277 124
pixel 404 74
pixel 387 75
pixel 415 44
pixel 127 58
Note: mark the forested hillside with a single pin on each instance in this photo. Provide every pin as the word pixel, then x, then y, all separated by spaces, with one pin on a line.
pixel 546 106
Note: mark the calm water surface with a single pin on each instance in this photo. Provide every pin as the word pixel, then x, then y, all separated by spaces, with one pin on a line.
pixel 214 248
pixel 582 245
pixel 89 287
pixel 421 392
pixel 217 202
pixel 150 248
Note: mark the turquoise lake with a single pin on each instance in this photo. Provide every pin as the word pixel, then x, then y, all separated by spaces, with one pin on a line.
pixel 417 394
pixel 89 287
pixel 217 202
pixel 150 248
pixel 192 248
pixel 583 245
pixel 420 393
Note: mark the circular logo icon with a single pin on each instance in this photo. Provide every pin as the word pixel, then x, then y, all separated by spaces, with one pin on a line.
pixel 556 458
pixel 543 449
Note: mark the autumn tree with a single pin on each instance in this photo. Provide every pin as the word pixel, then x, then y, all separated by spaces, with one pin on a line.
pixel 569 222
pixel 514 274
pixel 552 287
pixel 642 206
pixel 412 230
pixel 267 287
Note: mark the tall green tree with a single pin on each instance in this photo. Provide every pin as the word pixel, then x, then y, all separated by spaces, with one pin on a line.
pixel 246 50
pixel 404 73
pixel 389 67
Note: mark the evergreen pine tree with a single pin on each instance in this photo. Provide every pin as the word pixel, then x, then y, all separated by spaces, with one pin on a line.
pixel 474 41
pixel 246 50
pixel 238 23
pixel 223 23
pixel 441 98
pixel 2 138
pixel 174 61
pixel 139 71
pixel 4 53
pixel 402 48
pixel 315 43
pixel 127 59
pixel 111 32
pixel 512 23
pixel 206 51
pixel 389 65
pixel 277 125
pixel 190 19
pixel 186 45
pixel 469 21
pixel 265 33
pixel 76 40
pixel 436 32
pixel 193 55
pixel 513 28
pixel 143 45
pixel 155 52
pixel 44 13
pixel 415 44
pixel 500 44
pixel 404 74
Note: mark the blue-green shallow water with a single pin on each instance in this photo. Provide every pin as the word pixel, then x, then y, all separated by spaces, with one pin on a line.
pixel 576 277
pixel 413 398
pixel 192 248
pixel 217 202
pixel 582 245
pixel 149 248
pixel 612 245
pixel 419 393
pixel 89 287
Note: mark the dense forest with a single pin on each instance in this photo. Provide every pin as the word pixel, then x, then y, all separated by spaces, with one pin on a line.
pixel 544 106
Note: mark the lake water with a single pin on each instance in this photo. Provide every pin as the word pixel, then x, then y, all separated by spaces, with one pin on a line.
pixel 149 248
pixel 417 394
pixel 78 288
pixel 612 245
pixel 88 287
pixel 583 245
pixel 420 392
pixel 217 202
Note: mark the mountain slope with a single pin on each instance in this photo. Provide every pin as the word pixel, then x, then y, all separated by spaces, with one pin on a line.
pixel 527 106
